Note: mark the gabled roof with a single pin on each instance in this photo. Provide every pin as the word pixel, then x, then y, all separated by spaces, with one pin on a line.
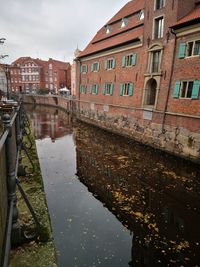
pixel 192 18
pixel 118 35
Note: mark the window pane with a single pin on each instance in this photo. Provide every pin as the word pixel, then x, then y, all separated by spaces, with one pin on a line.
pixel 184 88
pixel 155 61
pixel 189 49
pixel 197 48
pixel 189 91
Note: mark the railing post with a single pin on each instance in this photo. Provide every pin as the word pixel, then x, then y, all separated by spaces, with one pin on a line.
pixel 11 180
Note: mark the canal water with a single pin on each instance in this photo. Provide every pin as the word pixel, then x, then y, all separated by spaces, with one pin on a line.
pixel 113 202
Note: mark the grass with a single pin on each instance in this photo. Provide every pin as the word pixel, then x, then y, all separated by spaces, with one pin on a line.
pixel 40 251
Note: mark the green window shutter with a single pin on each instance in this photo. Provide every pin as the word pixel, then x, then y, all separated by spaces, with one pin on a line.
pixel 106 64
pixel 81 68
pixel 92 67
pixel 123 61
pixel 130 93
pixel 177 89
pixel 114 63
pixel 85 89
pixel 195 90
pixel 98 68
pixel 182 50
pixel 121 89
pixel 86 68
pixel 91 88
pixel 134 59
pixel 97 89
pixel 111 88
pixel 104 89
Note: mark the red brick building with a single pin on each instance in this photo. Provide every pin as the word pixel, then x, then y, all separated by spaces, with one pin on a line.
pixel 139 76
pixel 30 75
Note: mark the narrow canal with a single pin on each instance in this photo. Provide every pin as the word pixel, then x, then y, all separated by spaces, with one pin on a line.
pixel 113 202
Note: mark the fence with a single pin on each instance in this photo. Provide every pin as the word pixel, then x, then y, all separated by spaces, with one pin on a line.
pixel 15 125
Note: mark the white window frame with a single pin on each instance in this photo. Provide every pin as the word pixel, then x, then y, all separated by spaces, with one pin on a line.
pixel 160 28
pixel 109 63
pixel 155 5
pixel 193 48
pixel 126 88
pixel 186 91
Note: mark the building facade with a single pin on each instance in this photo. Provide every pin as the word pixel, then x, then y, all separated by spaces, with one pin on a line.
pixel 30 75
pixel 139 76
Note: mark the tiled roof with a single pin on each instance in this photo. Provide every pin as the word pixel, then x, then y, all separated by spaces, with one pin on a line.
pixel 191 17
pixel 112 42
pixel 132 31
pixel 130 8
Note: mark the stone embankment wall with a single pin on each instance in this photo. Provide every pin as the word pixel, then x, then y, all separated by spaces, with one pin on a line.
pixel 180 134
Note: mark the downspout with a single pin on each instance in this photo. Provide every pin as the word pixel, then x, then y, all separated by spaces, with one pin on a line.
pixel 78 80
pixel 170 81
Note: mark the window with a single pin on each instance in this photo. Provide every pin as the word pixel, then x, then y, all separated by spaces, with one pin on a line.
pixel 124 22
pixel 159 4
pixel 84 68
pixel 186 89
pixel 110 63
pixel 95 66
pixel 158 27
pixel 94 89
pixel 108 29
pixel 83 89
pixel 141 15
pixel 129 60
pixel 50 66
pixel 126 89
pixel 193 48
pixel 108 89
pixel 155 61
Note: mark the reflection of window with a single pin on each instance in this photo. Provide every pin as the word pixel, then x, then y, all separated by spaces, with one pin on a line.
pixel 94 89
pixel 83 89
pixel 159 4
pixel 126 89
pixel 193 48
pixel 155 61
pixel 158 27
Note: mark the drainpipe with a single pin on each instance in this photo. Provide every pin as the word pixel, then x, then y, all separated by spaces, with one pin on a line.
pixel 79 82
pixel 170 81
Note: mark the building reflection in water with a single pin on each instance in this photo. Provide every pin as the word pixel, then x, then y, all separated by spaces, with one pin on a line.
pixel 48 122
pixel 156 196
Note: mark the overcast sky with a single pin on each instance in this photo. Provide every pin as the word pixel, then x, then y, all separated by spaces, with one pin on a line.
pixel 51 28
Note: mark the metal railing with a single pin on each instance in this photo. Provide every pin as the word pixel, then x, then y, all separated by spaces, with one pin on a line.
pixel 12 144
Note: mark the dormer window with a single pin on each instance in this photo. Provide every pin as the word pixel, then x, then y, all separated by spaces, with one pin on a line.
pixel 108 29
pixel 124 22
pixel 141 15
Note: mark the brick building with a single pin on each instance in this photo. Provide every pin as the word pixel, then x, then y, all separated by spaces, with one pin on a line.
pixel 139 76
pixel 30 75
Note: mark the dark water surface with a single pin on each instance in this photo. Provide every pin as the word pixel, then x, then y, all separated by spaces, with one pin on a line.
pixel 113 202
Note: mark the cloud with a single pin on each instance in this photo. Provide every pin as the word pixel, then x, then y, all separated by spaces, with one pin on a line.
pixel 50 28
